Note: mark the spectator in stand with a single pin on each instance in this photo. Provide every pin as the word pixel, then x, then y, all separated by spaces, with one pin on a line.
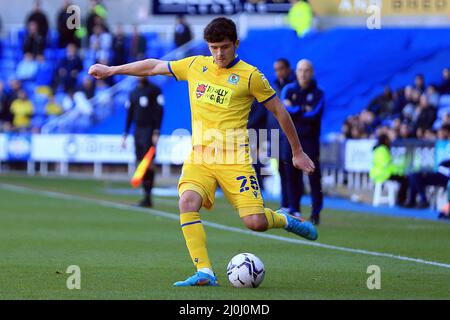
pixel 443 120
pixel 27 68
pixel 384 169
pixel 424 117
pixel 22 110
pixel 5 114
pixel 395 126
pixel 382 105
pixel 40 19
pixel 404 131
pixel 52 108
pixel 119 47
pixel 69 68
pixel 88 87
pixel 100 43
pixel 433 95
pixel 182 32
pixel 367 123
pixel 429 135
pixel 15 85
pixel 138 45
pixel 444 87
pixel 419 83
pixel 345 131
pixel 412 97
pixel 97 15
pixel 34 42
pixel 444 131
pixel 66 35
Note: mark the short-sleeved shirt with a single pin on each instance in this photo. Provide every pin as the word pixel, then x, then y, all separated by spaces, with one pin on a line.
pixel 221 98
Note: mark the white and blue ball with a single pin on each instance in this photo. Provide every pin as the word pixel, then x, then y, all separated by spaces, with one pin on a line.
pixel 245 270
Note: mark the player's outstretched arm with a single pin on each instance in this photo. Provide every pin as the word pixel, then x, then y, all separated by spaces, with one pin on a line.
pixel 299 158
pixel 143 68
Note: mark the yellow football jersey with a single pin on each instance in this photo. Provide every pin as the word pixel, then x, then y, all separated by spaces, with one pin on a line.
pixel 221 98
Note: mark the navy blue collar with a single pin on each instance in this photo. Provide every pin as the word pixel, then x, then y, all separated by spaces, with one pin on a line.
pixel 233 63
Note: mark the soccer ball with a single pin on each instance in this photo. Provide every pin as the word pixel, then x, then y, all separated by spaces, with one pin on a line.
pixel 245 270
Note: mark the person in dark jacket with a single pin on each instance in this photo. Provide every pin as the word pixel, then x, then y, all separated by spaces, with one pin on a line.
pixel 284 75
pixel 65 34
pixel 119 47
pixel 305 103
pixel 34 43
pixel 182 32
pixel 444 87
pixel 38 16
pixel 424 117
pixel 138 45
pixel 69 68
pixel 260 118
pixel 146 111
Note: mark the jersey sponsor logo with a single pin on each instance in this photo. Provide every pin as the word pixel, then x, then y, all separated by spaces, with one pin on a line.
pixel 233 78
pixel 201 89
pixel 213 94
pixel 204 69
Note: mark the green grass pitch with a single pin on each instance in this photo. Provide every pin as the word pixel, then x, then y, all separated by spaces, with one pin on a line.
pixel 124 253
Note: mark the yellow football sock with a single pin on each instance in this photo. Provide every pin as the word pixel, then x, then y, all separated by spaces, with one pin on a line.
pixel 195 237
pixel 274 220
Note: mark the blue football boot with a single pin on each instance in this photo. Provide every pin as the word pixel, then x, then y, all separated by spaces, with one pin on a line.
pixel 299 226
pixel 198 279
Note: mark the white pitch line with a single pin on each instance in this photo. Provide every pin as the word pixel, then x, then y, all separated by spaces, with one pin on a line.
pixel 217 225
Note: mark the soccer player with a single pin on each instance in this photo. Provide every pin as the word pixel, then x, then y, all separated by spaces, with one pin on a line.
pixel 222 88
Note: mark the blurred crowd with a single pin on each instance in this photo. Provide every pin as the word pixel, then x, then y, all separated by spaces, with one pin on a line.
pixel 419 110
pixel 51 76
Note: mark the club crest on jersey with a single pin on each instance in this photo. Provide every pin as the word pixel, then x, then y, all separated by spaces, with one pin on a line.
pixel 204 69
pixel 201 89
pixel 233 78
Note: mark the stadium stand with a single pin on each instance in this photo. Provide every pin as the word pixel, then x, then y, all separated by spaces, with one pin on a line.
pixel 403 53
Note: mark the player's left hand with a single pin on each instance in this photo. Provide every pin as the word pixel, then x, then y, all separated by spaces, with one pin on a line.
pixel 302 162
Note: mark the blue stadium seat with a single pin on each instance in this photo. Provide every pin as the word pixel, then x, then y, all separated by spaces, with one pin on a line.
pixel 37 121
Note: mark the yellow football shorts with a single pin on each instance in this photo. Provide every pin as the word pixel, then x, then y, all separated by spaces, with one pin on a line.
pixel 205 170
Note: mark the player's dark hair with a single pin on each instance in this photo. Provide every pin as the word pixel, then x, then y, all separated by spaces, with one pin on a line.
pixel 285 62
pixel 220 29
